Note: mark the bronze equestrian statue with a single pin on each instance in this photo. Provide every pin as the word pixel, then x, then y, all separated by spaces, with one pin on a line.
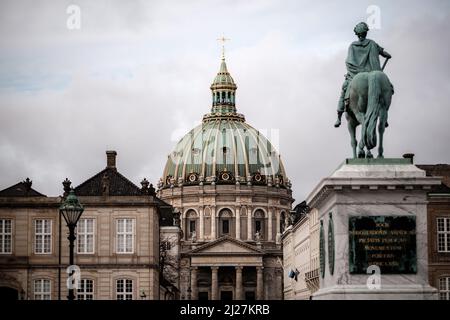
pixel 366 93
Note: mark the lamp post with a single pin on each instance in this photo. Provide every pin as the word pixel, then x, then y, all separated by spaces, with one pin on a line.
pixel 71 210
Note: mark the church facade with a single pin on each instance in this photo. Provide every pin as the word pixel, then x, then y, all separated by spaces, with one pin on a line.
pixel 230 187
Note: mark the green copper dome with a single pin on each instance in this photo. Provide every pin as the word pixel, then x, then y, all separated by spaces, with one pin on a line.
pixel 224 149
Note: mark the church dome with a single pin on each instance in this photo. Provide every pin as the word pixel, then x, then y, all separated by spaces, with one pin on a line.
pixel 224 149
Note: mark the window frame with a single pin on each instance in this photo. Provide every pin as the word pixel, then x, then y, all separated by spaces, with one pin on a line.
pixel 85 234
pixel 42 235
pixel 124 292
pixel 445 233
pixel 4 234
pixel 42 293
pixel 444 291
pixel 85 293
pixel 125 233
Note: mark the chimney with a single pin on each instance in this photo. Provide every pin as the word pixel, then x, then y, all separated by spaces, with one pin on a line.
pixel 409 156
pixel 111 159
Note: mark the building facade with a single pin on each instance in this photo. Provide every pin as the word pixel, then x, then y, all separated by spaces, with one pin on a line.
pixel 439 230
pixel 230 187
pixel 301 254
pixel 116 249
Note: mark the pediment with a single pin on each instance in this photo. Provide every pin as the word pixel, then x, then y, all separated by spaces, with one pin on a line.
pixel 226 245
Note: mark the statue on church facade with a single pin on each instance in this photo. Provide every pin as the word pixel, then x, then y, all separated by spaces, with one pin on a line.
pixel 366 93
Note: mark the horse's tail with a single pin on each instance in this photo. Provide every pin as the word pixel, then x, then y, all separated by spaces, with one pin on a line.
pixel 373 109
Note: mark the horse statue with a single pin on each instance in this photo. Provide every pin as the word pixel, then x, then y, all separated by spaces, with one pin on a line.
pixel 370 95
pixel 366 93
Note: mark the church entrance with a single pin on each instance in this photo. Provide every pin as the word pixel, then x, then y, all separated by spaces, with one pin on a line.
pixel 226 295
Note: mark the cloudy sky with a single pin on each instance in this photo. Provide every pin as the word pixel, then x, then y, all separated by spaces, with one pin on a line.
pixel 135 77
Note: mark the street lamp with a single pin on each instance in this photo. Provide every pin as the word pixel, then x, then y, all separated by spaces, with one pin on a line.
pixel 71 210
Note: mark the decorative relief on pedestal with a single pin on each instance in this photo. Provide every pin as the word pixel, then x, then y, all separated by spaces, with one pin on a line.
pixel 331 244
pixel 322 250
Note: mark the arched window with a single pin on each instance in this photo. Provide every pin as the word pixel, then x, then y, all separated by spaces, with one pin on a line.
pixel 282 221
pixel 259 224
pixel 191 225
pixel 225 222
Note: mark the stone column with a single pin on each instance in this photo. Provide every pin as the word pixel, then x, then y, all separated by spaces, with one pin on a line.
pixel 213 223
pixel 238 223
pixel 269 225
pixel 202 225
pixel 239 287
pixel 214 284
pixel 259 283
pixel 194 288
pixel 277 228
pixel 249 225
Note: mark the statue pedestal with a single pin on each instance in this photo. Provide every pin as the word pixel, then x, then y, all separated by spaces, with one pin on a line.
pixel 373 231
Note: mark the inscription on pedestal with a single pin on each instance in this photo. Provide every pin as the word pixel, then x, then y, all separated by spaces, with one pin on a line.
pixel 388 242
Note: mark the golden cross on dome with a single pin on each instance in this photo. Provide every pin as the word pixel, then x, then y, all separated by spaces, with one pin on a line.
pixel 223 39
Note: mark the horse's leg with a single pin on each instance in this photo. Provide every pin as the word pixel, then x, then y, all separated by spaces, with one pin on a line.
pixel 381 126
pixel 352 130
pixel 360 119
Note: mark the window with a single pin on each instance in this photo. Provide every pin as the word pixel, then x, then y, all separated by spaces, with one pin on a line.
pixel 191 226
pixel 258 226
pixel 5 235
pixel 444 288
pixel 125 235
pixel 124 289
pixel 43 236
pixel 443 233
pixel 225 226
pixel 86 290
pixel 85 236
pixel 42 289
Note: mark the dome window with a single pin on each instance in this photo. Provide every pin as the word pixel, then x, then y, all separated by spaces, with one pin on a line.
pixel 193 177
pixel 258 178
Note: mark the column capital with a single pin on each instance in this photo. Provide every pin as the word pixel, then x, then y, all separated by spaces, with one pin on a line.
pixel 194 267
pixel 239 268
pixel 214 268
pixel 259 269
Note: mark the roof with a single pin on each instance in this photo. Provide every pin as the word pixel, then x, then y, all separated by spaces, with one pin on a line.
pixel 21 189
pixel 108 182
pixel 165 213
pixel 440 189
pixel 437 170
pixel 299 211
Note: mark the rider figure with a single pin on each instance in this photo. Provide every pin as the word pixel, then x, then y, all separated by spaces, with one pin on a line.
pixel 363 56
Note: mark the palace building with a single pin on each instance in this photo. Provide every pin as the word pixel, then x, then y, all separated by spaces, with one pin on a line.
pixel 229 184
pixel 117 248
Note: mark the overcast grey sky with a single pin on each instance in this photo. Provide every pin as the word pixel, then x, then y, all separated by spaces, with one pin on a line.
pixel 135 77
